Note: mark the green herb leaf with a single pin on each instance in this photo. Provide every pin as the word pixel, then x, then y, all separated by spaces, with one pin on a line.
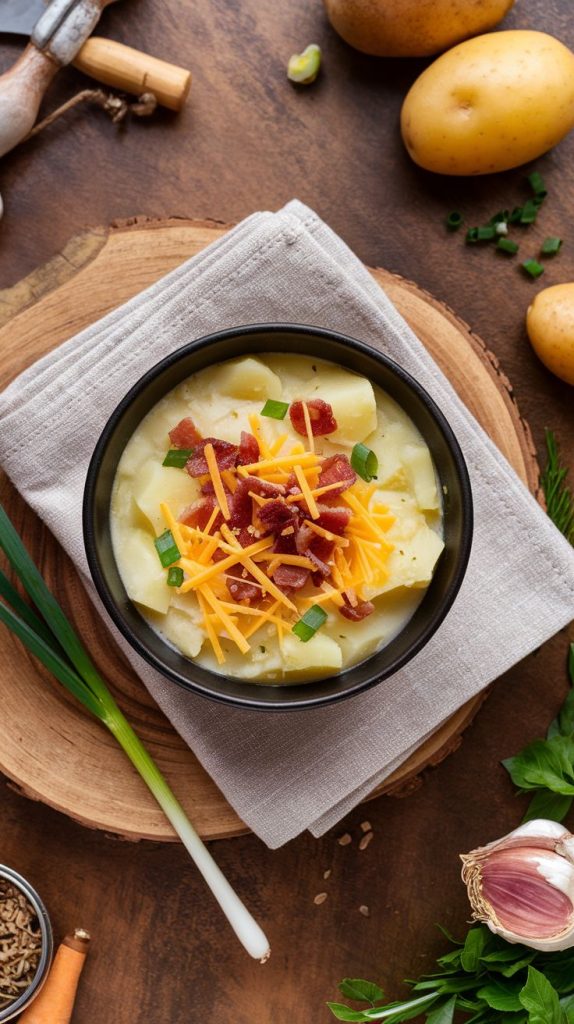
pixel 342 1012
pixel 559 499
pixel 275 410
pixel 177 457
pixel 501 997
pixel 540 999
pixel 167 549
pixel 545 763
pixel 544 804
pixel 443 1014
pixel 361 991
pixel 473 948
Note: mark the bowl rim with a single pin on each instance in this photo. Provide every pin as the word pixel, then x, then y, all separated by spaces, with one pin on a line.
pixel 47 948
pixel 252 702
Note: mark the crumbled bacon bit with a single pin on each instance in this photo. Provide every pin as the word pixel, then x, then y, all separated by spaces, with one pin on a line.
pixel 241 503
pixel 291 577
pixel 225 456
pixel 276 515
pixel 248 450
pixel 335 519
pixel 320 416
pixel 242 590
pixel 303 538
pixel 334 469
pixel 185 434
pixel 358 612
pixel 200 513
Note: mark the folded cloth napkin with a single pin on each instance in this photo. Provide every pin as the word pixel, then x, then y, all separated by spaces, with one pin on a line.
pixel 284 773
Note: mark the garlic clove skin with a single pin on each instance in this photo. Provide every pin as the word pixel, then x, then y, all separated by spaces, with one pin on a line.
pixel 522 886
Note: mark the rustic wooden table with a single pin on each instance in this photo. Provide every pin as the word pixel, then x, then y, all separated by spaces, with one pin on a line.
pixel 247 141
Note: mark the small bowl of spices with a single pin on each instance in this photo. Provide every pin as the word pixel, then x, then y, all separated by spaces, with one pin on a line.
pixel 26 944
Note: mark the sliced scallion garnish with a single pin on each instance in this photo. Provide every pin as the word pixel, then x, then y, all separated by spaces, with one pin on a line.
pixel 536 182
pixel 454 221
pixel 550 246
pixel 364 462
pixel 529 212
pixel 60 649
pixel 533 268
pixel 174 576
pixel 486 233
pixel 507 245
pixel 303 68
pixel 177 457
pixel 310 622
pixel 275 410
pixel 515 215
pixel 472 236
pixel 167 549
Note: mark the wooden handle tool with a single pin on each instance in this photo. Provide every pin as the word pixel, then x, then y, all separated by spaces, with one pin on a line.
pixel 55 1002
pixel 133 71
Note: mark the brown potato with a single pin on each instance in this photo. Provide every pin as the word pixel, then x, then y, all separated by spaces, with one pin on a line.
pixel 412 28
pixel 550 326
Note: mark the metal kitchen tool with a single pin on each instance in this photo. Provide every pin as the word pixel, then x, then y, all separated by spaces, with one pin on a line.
pixel 60 36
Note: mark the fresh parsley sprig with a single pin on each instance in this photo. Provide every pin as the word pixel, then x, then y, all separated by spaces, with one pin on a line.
pixel 546 767
pixel 485 978
pixel 559 498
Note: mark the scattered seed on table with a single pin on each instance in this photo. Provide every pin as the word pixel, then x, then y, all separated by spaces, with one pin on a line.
pixel 320 898
pixel 364 910
pixel 365 841
pixel 327 874
pixel 345 839
pixel 366 826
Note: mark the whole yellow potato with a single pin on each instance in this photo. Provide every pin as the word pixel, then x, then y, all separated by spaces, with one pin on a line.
pixel 550 326
pixel 412 28
pixel 491 103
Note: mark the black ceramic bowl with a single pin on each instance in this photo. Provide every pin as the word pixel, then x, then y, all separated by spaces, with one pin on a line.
pixel 322 344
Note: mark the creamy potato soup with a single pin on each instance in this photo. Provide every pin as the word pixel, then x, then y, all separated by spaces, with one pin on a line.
pixel 276 518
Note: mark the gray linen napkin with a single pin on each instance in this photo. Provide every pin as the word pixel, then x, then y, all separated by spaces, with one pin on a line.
pixel 284 773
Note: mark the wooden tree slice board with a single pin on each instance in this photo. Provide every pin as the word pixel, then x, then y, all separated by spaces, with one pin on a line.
pixel 50 748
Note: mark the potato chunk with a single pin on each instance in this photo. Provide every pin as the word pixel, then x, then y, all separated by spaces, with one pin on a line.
pixel 157 483
pixel 249 379
pixel 142 573
pixel 352 400
pixel 318 656
pixel 183 632
pixel 412 562
pixel 418 462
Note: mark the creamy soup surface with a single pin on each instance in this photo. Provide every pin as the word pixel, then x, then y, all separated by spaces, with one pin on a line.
pixel 264 522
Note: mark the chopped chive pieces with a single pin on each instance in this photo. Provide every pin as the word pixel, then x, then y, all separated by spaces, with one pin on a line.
pixel 533 268
pixel 537 185
pixel 501 217
pixel 471 236
pixel 364 462
pixel 486 233
pixel 515 215
pixel 310 622
pixel 550 246
pixel 501 228
pixel 507 245
pixel 275 410
pixel 529 212
pixel 167 549
pixel 174 576
pixel 454 221
pixel 177 457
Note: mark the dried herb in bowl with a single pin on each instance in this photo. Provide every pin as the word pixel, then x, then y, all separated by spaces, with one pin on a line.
pixel 20 943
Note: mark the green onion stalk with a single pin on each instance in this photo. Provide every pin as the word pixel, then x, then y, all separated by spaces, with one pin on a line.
pixel 53 641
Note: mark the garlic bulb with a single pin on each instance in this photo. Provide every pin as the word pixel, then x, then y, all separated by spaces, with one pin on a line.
pixel 522 886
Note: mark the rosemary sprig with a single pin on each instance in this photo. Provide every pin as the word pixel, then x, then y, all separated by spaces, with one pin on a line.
pixel 559 498
pixel 54 642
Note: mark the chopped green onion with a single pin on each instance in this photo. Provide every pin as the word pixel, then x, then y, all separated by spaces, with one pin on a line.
pixel 550 246
pixel 507 245
pixel 536 182
pixel 454 221
pixel 174 576
pixel 529 212
pixel 501 227
pixel 471 236
pixel 275 410
pixel 167 549
pixel 177 457
pixel 515 215
pixel 364 462
pixel 533 268
pixel 310 622
pixel 501 217
pixel 60 650
pixel 486 233
pixel 303 68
